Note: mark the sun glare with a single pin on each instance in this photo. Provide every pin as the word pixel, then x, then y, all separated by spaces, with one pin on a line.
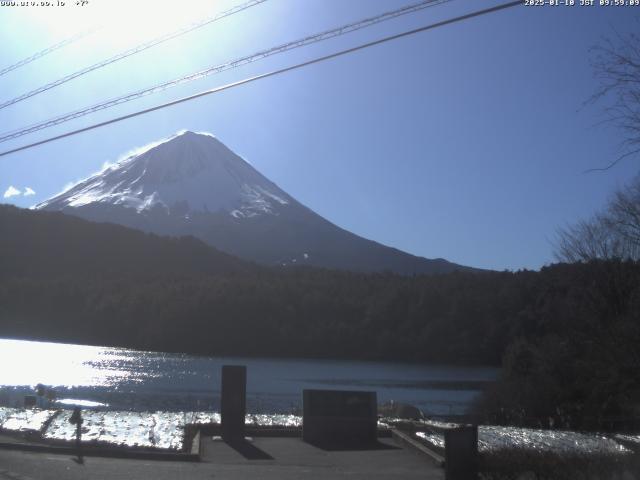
pixel 59 364
pixel 122 23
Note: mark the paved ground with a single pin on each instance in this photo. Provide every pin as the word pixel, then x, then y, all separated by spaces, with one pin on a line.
pixel 263 458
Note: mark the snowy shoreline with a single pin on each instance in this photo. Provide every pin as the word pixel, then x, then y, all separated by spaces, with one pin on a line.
pixel 165 431
pixel 149 430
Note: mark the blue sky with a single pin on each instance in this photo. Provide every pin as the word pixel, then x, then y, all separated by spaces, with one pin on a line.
pixel 468 142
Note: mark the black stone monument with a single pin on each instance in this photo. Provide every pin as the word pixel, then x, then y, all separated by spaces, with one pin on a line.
pixel 339 417
pixel 233 402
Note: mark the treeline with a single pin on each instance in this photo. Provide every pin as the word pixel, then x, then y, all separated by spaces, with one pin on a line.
pixel 567 335
pixel 573 360
pixel 67 279
pixel 300 312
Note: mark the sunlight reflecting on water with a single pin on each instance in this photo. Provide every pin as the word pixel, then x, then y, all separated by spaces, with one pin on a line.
pixel 56 364
pixel 76 402
pixel 122 379
pixel 494 438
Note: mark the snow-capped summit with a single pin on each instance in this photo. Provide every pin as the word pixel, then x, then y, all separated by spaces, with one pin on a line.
pixel 192 184
pixel 190 171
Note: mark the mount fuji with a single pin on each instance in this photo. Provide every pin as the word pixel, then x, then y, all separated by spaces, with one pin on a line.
pixel 192 184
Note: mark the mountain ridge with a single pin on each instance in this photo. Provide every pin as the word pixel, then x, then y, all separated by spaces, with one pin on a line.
pixel 192 184
pixel 55 242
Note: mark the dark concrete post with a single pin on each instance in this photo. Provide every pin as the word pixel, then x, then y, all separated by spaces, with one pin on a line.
pixel 233 404
pixel 461 453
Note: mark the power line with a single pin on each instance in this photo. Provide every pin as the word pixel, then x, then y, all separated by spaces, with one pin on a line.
pixel 132 51
pixel 47 51
pixel 301 42
pixel 273 73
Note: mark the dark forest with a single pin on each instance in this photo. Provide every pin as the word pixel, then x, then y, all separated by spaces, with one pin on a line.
pixel 566 336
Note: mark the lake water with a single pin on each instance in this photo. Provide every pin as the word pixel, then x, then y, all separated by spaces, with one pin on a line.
pixel 121 379
pixel 144 399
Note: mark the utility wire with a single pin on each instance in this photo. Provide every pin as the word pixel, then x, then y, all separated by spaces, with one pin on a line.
pixel 47 51
pixel 238 62
pixel 132 51
pixel 272 73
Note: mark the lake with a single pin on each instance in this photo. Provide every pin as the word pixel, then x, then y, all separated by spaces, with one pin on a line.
pixel 122 379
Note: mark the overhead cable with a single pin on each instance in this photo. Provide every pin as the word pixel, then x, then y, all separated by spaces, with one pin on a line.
pixel 132 51
pixel 238 62
pixel 271 74
pixel 47 51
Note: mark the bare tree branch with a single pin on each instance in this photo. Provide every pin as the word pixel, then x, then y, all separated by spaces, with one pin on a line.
pixel 611 234
pixel 616 65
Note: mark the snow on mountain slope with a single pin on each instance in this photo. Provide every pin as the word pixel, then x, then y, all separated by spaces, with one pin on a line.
pixel 193 171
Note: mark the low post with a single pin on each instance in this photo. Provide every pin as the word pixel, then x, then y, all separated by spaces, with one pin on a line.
pixel 461 453
pixel 233 402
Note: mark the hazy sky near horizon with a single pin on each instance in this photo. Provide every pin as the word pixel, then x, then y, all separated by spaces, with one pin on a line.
pixel 468 142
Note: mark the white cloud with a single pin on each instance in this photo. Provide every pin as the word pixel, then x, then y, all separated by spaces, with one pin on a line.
pixel 11 192
pixel 28 191
pixel 208 134
pixel 136 151
pixel 70 185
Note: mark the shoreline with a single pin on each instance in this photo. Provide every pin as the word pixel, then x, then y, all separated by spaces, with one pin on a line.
pixel 170 431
